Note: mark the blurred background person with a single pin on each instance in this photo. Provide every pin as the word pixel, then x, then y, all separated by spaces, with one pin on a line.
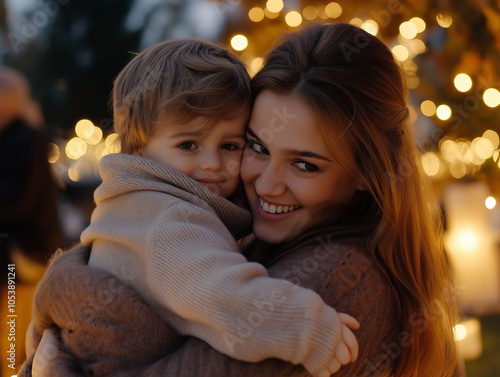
pixel 29 225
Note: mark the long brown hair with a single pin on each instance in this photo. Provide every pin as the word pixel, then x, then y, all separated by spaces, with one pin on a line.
pixel 355 86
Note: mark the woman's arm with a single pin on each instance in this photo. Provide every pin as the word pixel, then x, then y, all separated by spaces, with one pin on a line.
pixel 346 280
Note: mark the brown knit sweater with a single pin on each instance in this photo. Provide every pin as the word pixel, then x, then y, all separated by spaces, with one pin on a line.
pixel 343 276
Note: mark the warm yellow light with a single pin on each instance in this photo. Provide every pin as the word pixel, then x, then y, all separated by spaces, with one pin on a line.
pixel 256 65
pixel 271 15
pixel 356 22
pixel 457 169
pixel 493 137
pixel 79 170
pixel 256 14
pixel 239 42
pixel 84 128
pixel 428 108
pixel 412 81
pixel 419 24
pixel 408 30
pixel 76 148
pixel 417 46
pixel 431 163
pixel 490 202
pixel 491 97
pixel 444 20
pixel 443 112
pixel 462 82
pixel 496 156
pixel 293 19
pixel 459 332
pixel 464 153
pixel 112 143
pixel 54 153
pixel 400 52
pixel 467 240
pixel 274 6
pixel 333 10
pixel 483 148
pixel 449 150
pixel 370 26
pixel 310 13
pixel 96 136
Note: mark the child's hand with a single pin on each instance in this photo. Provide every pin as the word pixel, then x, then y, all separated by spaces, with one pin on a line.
pixel 49 345
pixel 347 349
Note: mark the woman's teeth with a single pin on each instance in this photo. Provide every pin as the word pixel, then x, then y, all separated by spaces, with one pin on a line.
pixel 271 208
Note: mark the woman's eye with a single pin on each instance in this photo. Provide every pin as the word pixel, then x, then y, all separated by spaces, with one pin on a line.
pixel 256 147
pixel 306 167
pixel 187 145
pixel 230 147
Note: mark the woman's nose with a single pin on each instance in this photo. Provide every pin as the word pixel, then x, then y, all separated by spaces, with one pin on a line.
pixel 270 182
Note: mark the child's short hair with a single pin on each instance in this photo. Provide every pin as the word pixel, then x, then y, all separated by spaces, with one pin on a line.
pixel 177 81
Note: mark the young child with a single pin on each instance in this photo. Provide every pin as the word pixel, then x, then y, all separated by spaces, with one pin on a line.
pixel 163 225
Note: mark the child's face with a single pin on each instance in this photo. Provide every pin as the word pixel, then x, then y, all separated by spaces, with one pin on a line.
pixel 212 158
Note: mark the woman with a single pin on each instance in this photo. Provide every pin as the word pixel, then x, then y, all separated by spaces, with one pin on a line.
pixel 339 206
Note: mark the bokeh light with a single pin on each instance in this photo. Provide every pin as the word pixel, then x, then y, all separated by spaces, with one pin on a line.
pixel 256 14
pixel 84 128
pixel 400 52
pixel 459 332
pixel 96 136
pixel 333 10
pixel 370 26
pixel 293 19
pixel 462 82
pixel 428 108
pixel 310 13
pixel 274 6
pixel 493 137
pixel 408 30
pixel 76 148
pixel 54 153
pixel 490 202
pixel 443 112
pixel 431 164
pixel 444 20
pixel 419 24
pixel 239 42
pixel 491 97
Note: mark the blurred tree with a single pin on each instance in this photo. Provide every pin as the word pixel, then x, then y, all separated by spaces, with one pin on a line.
pixel 71 51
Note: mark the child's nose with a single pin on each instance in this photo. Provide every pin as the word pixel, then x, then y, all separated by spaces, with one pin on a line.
pixel 211 160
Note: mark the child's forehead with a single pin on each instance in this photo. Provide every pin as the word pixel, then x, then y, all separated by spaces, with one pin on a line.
pixel 202 126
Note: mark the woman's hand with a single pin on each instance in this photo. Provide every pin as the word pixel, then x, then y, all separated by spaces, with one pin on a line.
pixel 347 350
pixel 48 347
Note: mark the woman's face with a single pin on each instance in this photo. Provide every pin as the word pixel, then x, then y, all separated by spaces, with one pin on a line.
pixel 288 172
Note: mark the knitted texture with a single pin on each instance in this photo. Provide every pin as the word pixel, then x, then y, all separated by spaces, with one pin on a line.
pixel 172 240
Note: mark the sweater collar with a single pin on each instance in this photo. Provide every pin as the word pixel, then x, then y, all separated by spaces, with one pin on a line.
pixel 123 173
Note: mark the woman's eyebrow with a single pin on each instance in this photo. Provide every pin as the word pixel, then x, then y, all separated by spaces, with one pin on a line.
pixel 296 152
pixel 253 134
pixel 291 151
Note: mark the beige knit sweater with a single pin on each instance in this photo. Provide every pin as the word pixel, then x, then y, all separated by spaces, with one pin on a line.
pixel 173 240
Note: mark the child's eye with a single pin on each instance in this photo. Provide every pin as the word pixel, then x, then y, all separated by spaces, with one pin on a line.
pixel 305 167
pixel 256 147
pixel 187 145
pixel 230 147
